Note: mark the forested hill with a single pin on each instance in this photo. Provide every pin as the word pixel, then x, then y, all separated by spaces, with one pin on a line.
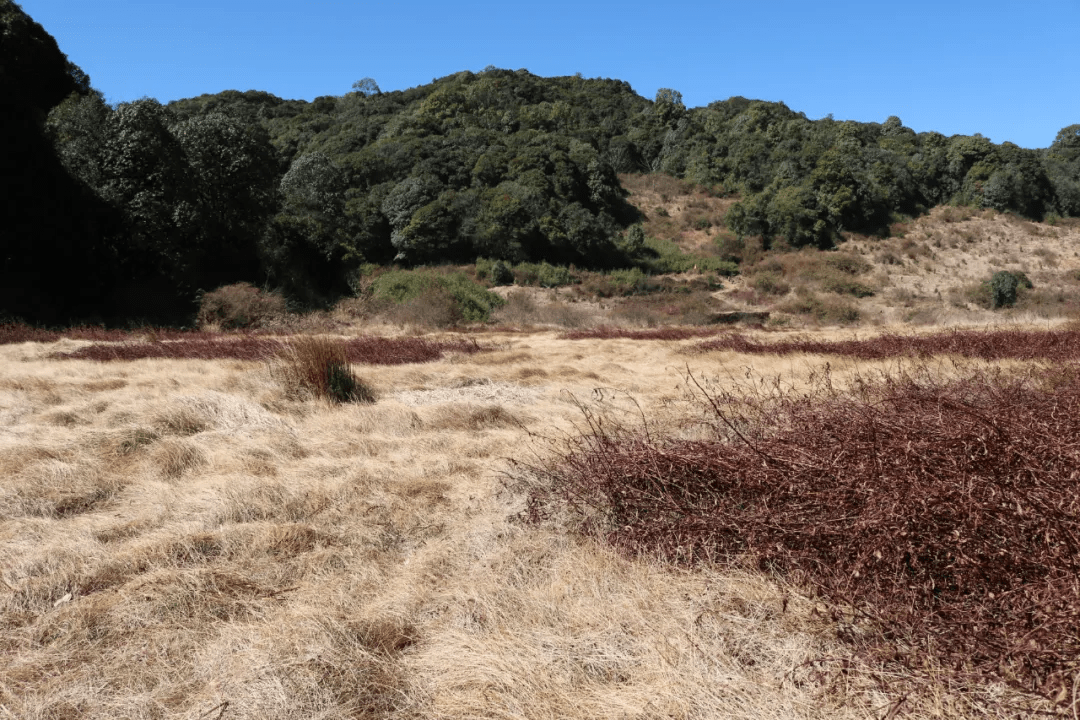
pixel 500 163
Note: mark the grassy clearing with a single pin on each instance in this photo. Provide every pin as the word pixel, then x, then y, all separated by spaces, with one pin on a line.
pixel 193 538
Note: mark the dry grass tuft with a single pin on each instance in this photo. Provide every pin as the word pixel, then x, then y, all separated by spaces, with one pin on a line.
pixel 320 366
pixel 174 457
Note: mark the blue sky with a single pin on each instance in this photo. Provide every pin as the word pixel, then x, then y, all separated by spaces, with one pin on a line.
pixel 1007 69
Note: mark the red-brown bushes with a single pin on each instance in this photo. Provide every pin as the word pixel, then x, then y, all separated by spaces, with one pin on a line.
pixel 939 518
pixel 205 346
pixel 1053 345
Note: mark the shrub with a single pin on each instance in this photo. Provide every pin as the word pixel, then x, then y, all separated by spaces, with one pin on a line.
pixel 825 310
pixel 241 305
pixel 670 258
pixel 1001 290
pixel 1003 286
pixel 320 366
pixel 465 299
pixel 635 239
pixel 845 285
pixel 436 308
pixel 730 247
pixel 615 283
pixel 850 264
pixel 501 274
pixel 769 283
pixel 543 274
pixel 483 268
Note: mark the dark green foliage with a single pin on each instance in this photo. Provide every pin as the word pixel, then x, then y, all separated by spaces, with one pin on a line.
pixel 34 74
pixel 635 240
pixel 58 257
pixel 1001 290
pixel 543 274
pixel 1003 286
pixel 501 274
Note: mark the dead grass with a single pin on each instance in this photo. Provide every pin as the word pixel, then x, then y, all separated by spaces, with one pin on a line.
pixel 199 543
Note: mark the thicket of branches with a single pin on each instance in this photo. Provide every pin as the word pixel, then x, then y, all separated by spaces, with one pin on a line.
pixel 937 518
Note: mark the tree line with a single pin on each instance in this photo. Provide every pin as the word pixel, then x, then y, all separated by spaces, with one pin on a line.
pixel 135 208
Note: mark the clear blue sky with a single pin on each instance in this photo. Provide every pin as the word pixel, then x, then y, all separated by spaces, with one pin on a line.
pixel 1009 69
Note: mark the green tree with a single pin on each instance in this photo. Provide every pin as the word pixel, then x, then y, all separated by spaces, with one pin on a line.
pixel 233 172
pixel 145 172
pixel 366 87
pixel 668 106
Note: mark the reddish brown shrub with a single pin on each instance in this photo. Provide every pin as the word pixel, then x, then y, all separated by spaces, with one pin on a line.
pixel 1054 345
pixel 205 346
pixel 938 518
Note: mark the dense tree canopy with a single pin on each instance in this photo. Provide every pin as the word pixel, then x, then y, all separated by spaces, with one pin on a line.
pixel 504 164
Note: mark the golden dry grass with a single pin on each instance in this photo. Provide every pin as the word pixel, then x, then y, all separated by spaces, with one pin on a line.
pixel 188 539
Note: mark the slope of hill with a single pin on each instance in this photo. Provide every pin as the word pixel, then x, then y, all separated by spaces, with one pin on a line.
pixel 501 164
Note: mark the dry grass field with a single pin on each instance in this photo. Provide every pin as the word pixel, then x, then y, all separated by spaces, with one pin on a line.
pixel 187 538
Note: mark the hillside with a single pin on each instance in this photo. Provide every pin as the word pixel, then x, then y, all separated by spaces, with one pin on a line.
pixel 245 186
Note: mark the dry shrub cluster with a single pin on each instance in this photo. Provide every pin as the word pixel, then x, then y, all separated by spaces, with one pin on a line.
pixel 200 347
pixel 241 305
pixel 370 350
pixel 1052 345
pixel 321 366
pixel 691 308
pixel 938 521
pixel 523 310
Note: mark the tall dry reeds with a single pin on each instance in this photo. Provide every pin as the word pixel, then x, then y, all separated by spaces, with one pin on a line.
pixel 320 366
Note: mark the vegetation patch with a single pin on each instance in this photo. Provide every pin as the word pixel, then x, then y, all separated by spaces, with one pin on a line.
pixel 464 299
pixel 320 366
pixel 17 332
pixel 1050 345
pixel 936 519
pixel 241 305
pixel 370 350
